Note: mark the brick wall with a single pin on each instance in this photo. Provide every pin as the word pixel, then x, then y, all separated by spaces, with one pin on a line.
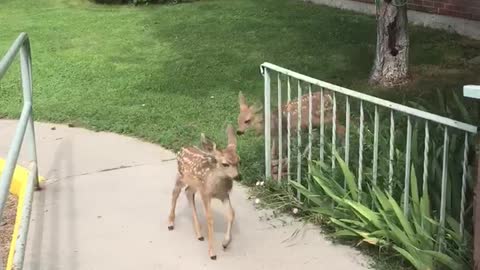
pixel 467 9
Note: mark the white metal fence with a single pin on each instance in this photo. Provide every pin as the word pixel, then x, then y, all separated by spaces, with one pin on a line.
pixel 358 121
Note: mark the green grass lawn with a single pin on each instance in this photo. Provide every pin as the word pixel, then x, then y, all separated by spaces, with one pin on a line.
pixel 167 73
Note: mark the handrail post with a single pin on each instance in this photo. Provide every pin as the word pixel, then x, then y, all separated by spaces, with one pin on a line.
pixel 267 117
pixel 476 207
pixel 25 130
pixel 26 71
pixel 473 91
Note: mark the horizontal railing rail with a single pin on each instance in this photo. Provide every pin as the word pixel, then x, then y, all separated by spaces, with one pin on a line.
pixel 372 99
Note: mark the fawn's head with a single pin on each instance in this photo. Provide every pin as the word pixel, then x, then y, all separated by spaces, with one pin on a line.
pixel 227 160
pixel 249 116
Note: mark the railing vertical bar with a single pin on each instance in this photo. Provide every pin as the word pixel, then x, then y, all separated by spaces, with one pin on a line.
pixel 408 154
pixel 347 136
pixel 21 241
pixel 443 198
pixel 347 131
pixel 299 137
pixel 310 127
pixel 280 130
pixel 289 135
pixel 360 149
pixel 27 86
pixel 391 153
pixel 334 128
pixel 268 143
pixel 310 124
pixel 322 126
pixel 425 158
pixel 464 186
pixel 375 145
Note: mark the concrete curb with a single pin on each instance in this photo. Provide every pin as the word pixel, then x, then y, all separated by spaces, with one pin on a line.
pixel 17 188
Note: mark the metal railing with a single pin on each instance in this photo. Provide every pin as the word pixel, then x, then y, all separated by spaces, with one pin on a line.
pixel 25 129
pixel 285 80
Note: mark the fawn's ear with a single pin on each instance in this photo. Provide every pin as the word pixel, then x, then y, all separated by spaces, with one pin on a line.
pixel 256 108
pixel 241 101
pixel 232 138
pixel 207 144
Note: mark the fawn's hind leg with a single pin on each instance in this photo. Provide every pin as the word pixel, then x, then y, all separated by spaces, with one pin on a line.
pixel 176 191
pixel 208 214
pixel 190 192
pixel 230 215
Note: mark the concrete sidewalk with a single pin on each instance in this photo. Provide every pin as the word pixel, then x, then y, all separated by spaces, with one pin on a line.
pixel 105 206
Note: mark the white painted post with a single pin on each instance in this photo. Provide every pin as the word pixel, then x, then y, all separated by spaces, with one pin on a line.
pixel 473 91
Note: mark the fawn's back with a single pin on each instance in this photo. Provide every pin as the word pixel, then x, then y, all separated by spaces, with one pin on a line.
pixel 251 116
pixel 303 114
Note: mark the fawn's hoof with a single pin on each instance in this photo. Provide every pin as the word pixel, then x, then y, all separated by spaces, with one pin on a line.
pixel 226 243
pixel 170 228
pixel 201 238
pixel 214 257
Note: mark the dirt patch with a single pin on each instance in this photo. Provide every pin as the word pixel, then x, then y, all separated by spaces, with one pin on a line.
pixel 6 227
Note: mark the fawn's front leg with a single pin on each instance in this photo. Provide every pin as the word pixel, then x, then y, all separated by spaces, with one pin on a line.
pixel 274 148
pixel 339 128
pixel 208 214
pixel 190 192
pixel 230 215
pixel 176 191
pixel 276 159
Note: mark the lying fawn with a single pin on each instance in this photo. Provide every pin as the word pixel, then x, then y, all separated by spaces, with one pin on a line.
pixel 210 172
pixel 251 117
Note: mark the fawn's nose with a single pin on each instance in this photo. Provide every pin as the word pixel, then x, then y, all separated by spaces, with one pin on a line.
pixel 239 132
pixel 238 177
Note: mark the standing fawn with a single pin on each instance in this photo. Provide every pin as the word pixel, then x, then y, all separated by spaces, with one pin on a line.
pixel 210 172
pixel 251 117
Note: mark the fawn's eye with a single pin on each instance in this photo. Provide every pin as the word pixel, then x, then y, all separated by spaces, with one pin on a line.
pixel 225 165
pixel 247 121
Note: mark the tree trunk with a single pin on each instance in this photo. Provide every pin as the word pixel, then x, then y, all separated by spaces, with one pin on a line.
pixel 391 60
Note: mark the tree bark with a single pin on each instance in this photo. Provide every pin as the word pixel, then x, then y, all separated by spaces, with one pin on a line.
pixel 391 60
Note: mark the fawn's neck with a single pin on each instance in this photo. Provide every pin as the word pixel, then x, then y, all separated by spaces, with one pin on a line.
pixel 259 123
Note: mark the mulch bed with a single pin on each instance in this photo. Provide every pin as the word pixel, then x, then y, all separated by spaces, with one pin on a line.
pixel 6 227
